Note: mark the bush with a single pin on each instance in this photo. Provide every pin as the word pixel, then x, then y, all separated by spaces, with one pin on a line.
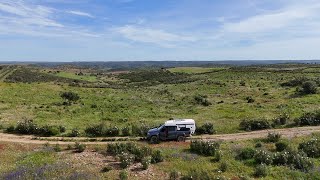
pixel 112 131
pixel 118 148
pixel 141 152
pixel 206 128
pixel 281 120
pixel 311 148
pixel 246 153
pixel 261 171
pixel 295 82
pixel 281 146
pixel 126 160
pixel 217 156
pixel 79 147
pixel 263 157
pixel 156 157
pixel 309 119
pixel 126 131
pixel 174 175
pixel 207 148
pixel 250 99
pixel 223 167
pixel 57 148
pixel 10 129
pixel 202 100
pixel 251 125
pixel 26 127
pixel 140 130
pixel 146 161
pixel 273 137
pixel 74 133
pixel 258 145
pixel 197 174
pixel 123 175
pixel 62 129
pixel 95 131
pixel 48 130
pixel 70 96
pixel 309 87
pixel 106 169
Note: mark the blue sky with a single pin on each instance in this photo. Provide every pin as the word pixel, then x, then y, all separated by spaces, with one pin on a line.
pixel 118 30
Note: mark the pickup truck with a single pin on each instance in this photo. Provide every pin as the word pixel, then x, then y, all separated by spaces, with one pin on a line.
pixel 165 133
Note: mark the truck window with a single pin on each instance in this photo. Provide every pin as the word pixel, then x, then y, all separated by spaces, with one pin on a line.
pixel 172 128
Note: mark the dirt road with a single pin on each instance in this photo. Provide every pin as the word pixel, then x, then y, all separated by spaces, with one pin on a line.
pixel 288 132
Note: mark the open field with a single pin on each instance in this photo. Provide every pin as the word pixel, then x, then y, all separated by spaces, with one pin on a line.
pixel 130 101
pixel 146 97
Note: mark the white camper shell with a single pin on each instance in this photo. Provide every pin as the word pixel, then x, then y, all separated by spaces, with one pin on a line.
pixel 182 123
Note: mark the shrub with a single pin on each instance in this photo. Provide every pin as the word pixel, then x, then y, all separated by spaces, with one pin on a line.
pixel 95 131
pixel 62 129
pixel 309 119
pixel 112 131
pixel 79 147
pixel 282 158
pixel 57 148
pixel 74 132
pixel 26 127
pixel 258 145
pixel 281 146
pixel 206 128
pixel 251 125
pixel 48 130
pixel 126 160
pixel 146 161
pixel 223 167
pixel 273 137
pixel 174 175
pixel 250 99
pixel 197 174
pixel 123 175
pixel 140 130
pixel 141 152
pixel 10 129
pixel 202 100
pixel 126 131
pixel 261 171
pixel 295 82
pixel 311 148
pixel 246 153
pixel 309 87
pixel 106 169
pixel 217 156
pixel 207 148
pixel 70 96
pixel 281 120
pixel 263 157
pixel 156 157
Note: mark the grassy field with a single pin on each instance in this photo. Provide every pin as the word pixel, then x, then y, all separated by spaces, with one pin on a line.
pixel 153 103
pixel 151 96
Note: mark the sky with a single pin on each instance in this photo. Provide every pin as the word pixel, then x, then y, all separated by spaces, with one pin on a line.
pixel 136 30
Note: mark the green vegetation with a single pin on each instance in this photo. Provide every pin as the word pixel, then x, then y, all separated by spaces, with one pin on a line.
pixel 151 96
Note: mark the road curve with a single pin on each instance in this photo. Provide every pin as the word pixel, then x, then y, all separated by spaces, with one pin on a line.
pixel 287 132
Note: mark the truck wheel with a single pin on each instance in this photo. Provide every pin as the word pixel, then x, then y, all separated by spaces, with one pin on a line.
pixel 154 140
pixel 181 139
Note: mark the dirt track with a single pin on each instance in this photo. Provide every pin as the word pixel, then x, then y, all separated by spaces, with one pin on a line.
pixel 288 132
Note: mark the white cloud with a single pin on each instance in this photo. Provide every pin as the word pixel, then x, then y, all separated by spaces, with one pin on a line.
pixel 289 17
pixel 148 35
pixel 80 13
